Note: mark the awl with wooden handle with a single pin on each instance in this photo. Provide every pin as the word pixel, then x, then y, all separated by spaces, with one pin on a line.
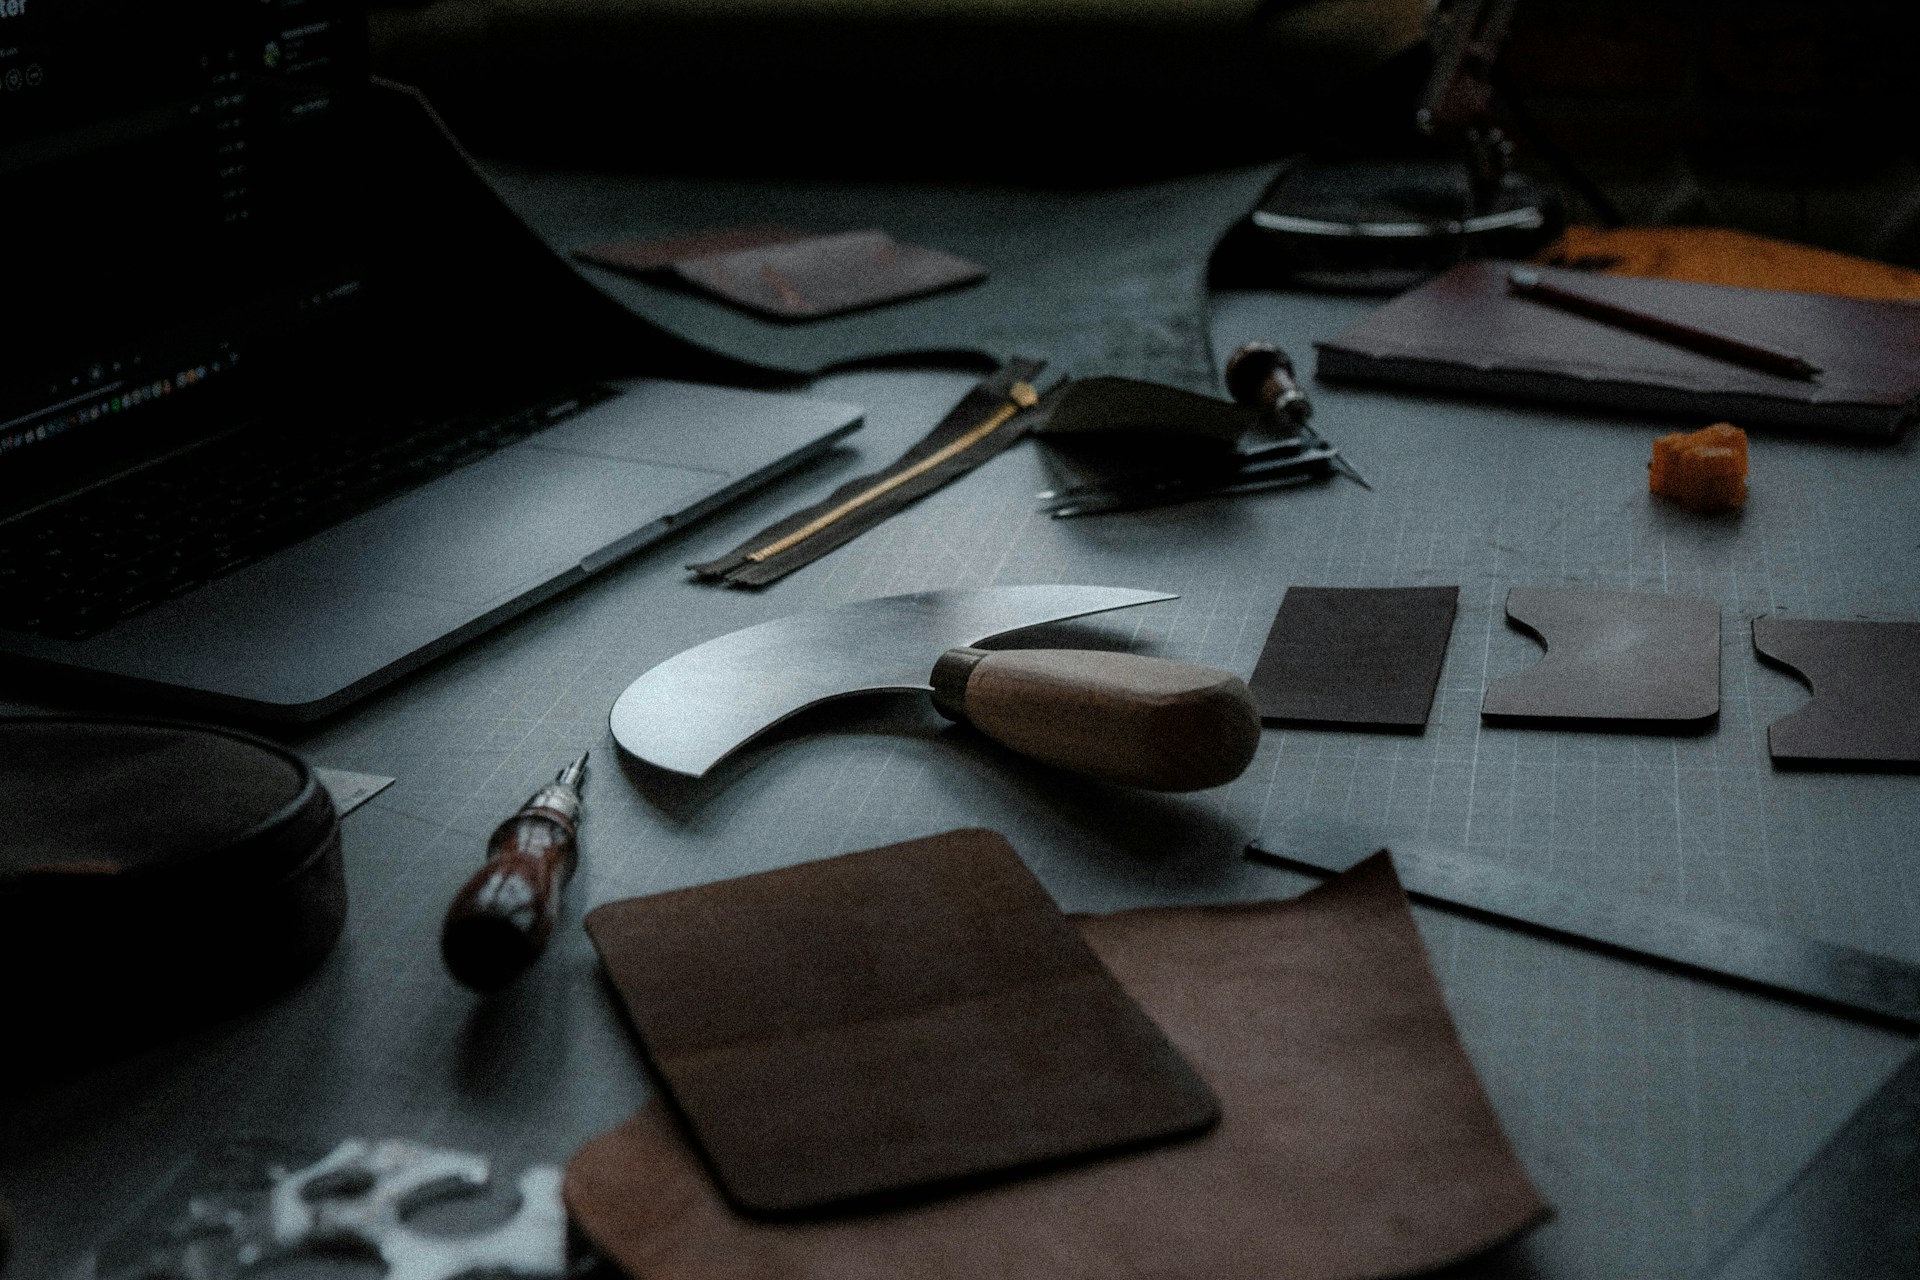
pixel 500 920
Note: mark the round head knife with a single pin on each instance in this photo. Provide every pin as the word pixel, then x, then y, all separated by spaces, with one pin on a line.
pixel 691 711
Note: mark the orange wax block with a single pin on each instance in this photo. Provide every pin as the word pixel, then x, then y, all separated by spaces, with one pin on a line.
pixel 1704 470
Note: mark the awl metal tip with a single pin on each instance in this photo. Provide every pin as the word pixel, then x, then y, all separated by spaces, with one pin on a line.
pixel 572 774
pixel 1350 471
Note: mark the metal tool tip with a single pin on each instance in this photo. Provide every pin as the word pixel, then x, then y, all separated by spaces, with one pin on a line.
pixel 572 774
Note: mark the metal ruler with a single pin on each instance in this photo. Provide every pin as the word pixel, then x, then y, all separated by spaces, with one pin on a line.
pixel 1880 987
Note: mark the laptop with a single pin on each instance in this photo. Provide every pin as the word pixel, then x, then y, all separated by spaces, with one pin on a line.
pixel 289 403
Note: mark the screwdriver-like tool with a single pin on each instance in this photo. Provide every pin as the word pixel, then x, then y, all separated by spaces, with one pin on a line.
pixel 500 920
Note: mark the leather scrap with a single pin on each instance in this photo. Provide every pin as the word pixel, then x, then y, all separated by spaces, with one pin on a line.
pixel 1640 659
pixel 737 569
pixel 1866 692
pixel 1356 1140
pixel 1365 657
pixel 887 1021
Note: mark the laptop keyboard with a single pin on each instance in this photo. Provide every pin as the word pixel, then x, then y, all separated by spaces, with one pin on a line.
pixel 82 565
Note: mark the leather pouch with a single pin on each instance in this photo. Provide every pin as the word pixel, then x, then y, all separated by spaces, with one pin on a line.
pixel 152 873
pixel 902 1018
pixel 1107 430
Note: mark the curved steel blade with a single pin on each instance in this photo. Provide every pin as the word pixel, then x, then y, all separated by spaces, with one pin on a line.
pixel 692 710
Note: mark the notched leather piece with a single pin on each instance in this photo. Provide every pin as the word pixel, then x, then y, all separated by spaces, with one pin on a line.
pixel 1634 659
pixel 1865 678
pixel 1362 657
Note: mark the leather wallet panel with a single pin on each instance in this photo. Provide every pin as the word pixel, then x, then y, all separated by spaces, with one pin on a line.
pixel 888 1020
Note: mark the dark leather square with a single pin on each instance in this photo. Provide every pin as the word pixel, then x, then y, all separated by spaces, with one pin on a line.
pixel 900 1018
pixel 1366 657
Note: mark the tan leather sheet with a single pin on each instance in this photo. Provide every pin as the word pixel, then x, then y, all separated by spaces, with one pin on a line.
pixel 1355 1141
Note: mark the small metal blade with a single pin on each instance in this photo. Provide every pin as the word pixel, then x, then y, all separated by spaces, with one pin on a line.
pixel 694 709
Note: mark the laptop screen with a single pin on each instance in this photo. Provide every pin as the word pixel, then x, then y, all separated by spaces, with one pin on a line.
pixel 175 205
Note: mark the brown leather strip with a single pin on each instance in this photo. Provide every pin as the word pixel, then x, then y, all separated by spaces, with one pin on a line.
pixel 978 407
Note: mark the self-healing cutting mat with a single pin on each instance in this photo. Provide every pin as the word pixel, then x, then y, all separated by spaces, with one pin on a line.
pixel 1355 1139
pixel 884 1020
pixel 1656 1111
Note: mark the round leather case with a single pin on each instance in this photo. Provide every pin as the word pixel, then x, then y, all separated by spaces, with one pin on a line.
pixel 151 871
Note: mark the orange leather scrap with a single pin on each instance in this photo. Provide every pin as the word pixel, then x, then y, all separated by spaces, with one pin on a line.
pixel 1704 471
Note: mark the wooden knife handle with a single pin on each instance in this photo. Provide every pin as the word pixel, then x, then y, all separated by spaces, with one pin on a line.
pixel 500 920
pixel 1146 722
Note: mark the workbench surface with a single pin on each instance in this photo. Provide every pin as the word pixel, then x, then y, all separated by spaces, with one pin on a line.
pixel 1655 1111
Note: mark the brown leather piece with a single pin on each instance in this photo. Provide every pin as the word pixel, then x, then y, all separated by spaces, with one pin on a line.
pixel 886 1020
pixel 1356 1140
pixel 1465 332
pixel 1638 658
pixel 639 257
pixel 827 275
pixel 1866 692
pixel 1367 657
